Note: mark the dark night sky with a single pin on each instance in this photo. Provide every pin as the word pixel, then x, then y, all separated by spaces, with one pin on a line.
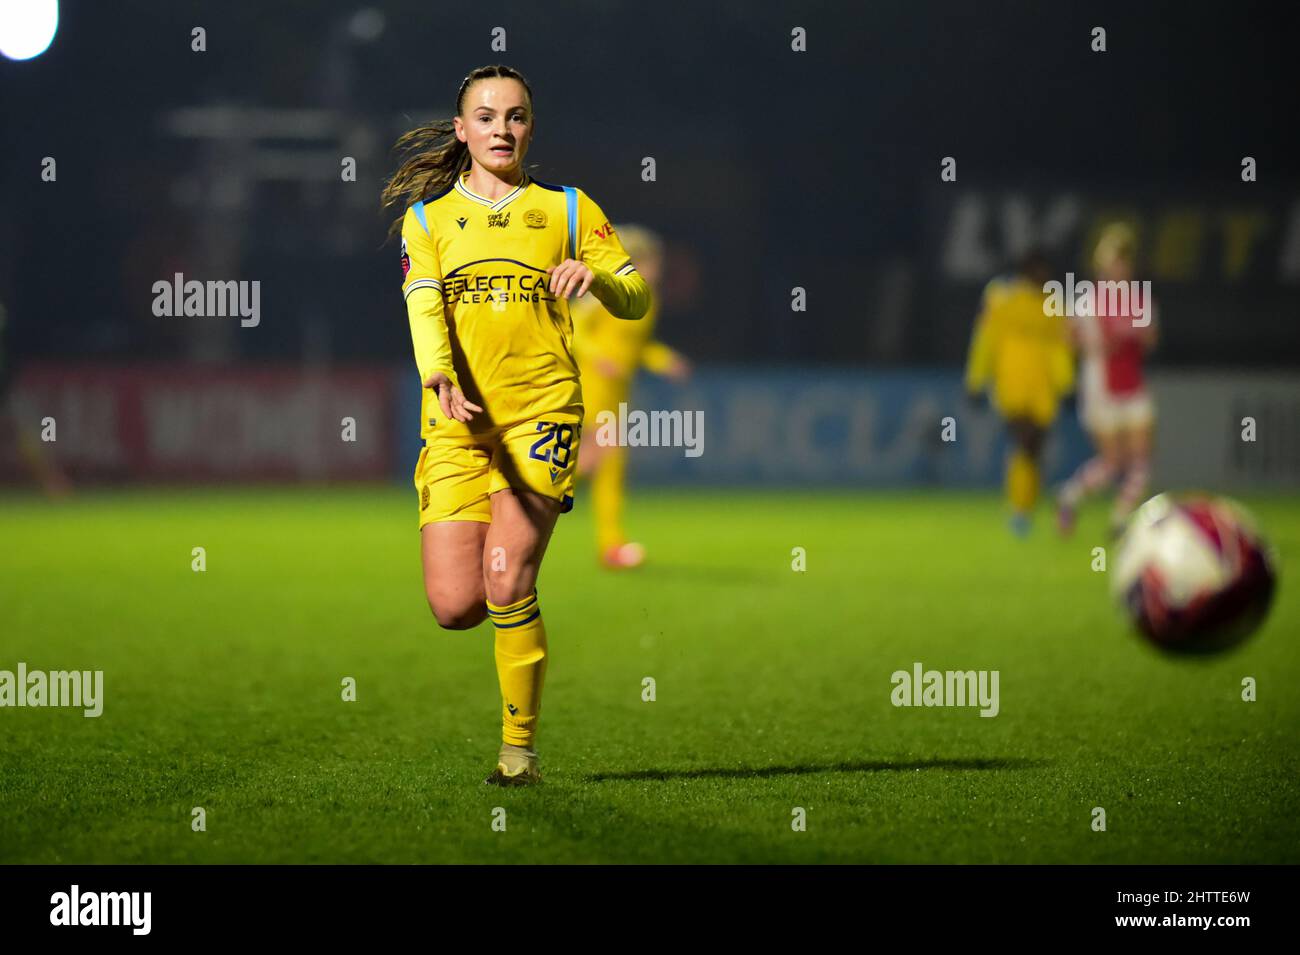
pixel 775 168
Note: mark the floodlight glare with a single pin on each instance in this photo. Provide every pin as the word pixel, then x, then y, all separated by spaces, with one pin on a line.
pixel 27 27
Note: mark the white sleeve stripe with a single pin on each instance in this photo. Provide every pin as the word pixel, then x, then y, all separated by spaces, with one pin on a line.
pixel 422 283
pixel 625 269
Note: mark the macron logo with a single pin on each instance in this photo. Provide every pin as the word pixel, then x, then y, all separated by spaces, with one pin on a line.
pixel 102 908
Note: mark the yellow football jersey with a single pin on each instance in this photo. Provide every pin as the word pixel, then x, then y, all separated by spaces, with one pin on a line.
pixel 1019 351
pixel 475 284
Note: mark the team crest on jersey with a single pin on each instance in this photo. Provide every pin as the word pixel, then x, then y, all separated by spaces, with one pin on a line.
pixel 535 219
pixel 406 260
pixel 498 220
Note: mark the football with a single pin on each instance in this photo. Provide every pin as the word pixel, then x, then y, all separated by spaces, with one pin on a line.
pixel 1193 573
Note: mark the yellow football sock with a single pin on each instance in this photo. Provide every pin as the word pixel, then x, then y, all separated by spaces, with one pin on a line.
pixel 607 498
pixel 1022 482
pixel 521 666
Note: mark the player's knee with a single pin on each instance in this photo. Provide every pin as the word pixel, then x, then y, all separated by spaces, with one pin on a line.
pixel 457 614
pixel 589 458
pixel 506 587
pixel 1033 442
pixel 1112 464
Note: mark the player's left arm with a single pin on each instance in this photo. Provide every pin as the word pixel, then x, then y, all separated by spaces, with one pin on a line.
pixel 1149 334
pixel 602 266
pixel 657 358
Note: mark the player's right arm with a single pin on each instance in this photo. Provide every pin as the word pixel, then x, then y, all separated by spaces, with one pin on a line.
pixel 979 361
pixel 422 288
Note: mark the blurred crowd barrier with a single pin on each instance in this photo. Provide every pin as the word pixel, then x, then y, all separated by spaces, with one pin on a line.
pixel 747 426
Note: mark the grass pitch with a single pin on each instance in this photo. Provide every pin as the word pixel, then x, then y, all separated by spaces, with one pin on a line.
pixel 223 691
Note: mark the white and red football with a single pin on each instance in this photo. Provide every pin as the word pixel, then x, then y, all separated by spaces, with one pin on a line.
pixel 1193 573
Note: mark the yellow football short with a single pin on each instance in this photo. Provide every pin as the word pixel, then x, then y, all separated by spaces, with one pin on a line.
pixel 1022 401
pixel 457 473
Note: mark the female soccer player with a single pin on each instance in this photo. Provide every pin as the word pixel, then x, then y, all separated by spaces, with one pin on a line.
pixel 490 257
pixel 609 353
pixel 1115 406
pixel 1021 354
pixel 41 466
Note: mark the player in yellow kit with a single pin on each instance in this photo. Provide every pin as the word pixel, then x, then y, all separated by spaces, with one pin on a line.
pixel 41 466
pixel 490 257
pixel 1021 355
pixel 610 351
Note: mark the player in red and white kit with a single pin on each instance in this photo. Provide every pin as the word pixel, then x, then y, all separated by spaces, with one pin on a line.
pixel 1115 406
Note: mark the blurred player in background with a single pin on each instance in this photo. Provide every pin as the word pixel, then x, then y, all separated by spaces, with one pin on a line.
pixel 1115 406
pixel 1020 356
pixel 609 352
pixel 489 259
pixel 39 465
